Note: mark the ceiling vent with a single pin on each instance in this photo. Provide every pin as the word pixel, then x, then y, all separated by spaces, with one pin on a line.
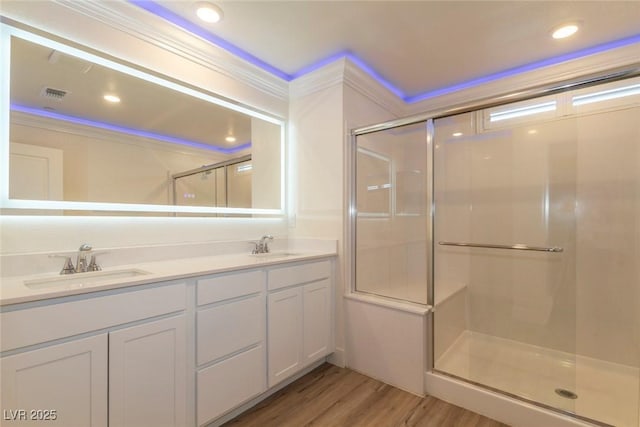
pixel 55 94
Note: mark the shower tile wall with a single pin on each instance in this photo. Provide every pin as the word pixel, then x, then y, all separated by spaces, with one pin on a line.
pixel 608 236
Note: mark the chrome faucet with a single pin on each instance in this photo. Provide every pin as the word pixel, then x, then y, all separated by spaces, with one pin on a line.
pixel 85 261
pixel 262 247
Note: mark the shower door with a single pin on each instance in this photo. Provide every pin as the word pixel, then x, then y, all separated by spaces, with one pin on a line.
pixel 392 233
pixel 536 248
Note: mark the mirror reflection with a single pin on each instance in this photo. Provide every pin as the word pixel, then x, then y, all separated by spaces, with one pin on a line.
pixel 81 131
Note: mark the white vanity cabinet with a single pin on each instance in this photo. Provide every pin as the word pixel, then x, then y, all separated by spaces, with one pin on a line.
pixel 183 353
pixel 298 317
pixel 115 358
pixel 58 385
pixel 230 342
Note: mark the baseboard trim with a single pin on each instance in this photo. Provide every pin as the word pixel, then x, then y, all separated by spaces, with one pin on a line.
pixel 338 358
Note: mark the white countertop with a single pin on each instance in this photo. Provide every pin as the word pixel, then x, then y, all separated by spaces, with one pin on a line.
pixel 13 289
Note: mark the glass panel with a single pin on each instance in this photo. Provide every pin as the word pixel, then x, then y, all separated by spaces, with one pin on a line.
pixel 221 185
pixel 239 184
pixel 198 189
pixel 557 328
pixel 391 225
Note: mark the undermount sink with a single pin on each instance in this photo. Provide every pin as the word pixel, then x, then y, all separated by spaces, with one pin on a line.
pixel 275 255
pixel 82 280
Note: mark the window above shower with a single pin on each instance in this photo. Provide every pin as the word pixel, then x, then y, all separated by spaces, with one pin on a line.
pixel 605 97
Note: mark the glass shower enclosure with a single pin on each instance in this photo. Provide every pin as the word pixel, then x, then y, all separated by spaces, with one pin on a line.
pixel 535 253
pixel 224 184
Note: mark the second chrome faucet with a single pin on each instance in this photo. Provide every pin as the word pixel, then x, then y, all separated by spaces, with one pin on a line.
pixel 262 247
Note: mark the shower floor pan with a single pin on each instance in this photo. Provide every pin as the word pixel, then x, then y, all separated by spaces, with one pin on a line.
pixel 596 389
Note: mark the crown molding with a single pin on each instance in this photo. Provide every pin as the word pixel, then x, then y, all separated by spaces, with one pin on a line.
pixel 344 71
pixel 323 78
pixel 361 81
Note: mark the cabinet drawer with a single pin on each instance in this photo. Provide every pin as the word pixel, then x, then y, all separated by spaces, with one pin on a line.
pixel 230 383
pixel 227 328
pixel 297 274
pixel 30 326
pixel 229 286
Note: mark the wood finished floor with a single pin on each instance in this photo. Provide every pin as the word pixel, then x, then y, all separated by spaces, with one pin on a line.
pixel 335 397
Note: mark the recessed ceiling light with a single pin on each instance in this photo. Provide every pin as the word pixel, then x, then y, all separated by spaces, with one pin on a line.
pixel 564 31
pixel 208 12
pixel 230 138
pixel 457 134
pixel 112 98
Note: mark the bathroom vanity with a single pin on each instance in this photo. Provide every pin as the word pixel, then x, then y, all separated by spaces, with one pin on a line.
pixel 182 343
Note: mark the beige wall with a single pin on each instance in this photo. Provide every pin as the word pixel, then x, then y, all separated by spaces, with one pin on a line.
pixel 266 161
pixel 113 167
pixel 320 122
pixel 317 177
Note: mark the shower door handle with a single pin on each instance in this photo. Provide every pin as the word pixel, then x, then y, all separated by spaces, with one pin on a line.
pixel 517 246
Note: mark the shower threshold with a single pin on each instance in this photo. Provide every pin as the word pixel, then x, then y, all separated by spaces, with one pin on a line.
pixel 604 391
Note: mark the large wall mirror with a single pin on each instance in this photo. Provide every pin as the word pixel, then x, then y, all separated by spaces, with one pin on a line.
pixel 89 135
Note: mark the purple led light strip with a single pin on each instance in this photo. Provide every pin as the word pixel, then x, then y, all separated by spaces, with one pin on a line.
pixel 162 12
pixel 126 130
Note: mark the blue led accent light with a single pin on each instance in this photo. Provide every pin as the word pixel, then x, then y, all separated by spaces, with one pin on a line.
pixel 317 65
pixel 158 10
pixel 126 130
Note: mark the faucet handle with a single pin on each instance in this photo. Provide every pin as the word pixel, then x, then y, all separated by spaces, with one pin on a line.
pixel 93 266
pixel 68 267
pixel 266 239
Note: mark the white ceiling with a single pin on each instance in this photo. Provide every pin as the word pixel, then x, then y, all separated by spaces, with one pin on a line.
pixel 417 46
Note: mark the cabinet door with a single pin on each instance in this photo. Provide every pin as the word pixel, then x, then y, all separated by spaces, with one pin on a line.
pixel 284 334
pixel 147 374
pixel 317 320
pixel 69 378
